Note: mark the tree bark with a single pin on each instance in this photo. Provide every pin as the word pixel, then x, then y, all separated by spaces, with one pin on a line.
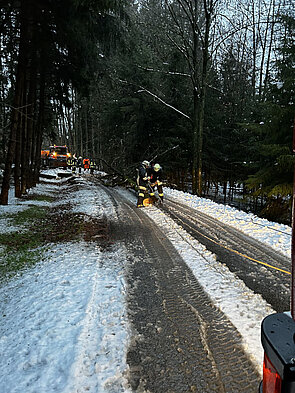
pixel 17 103
pixel 17 161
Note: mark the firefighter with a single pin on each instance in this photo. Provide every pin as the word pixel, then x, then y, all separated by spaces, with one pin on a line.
pixel 86 164
pixel 92 166
pixel 156 180
pixel 69 162
pixel 143 179
pixel 79 163
pixel 74 163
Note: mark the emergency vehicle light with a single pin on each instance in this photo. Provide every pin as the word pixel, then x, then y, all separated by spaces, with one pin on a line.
pixel 272 382
pixel 278 340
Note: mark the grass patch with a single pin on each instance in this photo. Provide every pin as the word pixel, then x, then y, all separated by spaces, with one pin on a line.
pixel 28 216
pixel 14 261
pixel 16 241
pixel 22 249
pixel 44 225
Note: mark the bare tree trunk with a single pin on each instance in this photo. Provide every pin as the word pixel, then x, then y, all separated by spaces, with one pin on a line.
pixel 195 49
pixel 270 45
pixel 75 123
pixel 195 146
pixel 86 129
pixel 224 191
pixel 17 161
pixel 208 9
pixel 81 136
pixel 36 157
pixel 23 155
pixel 30 125
pixel 216 188
pixel 20 78
pixel 263 49
pixel 93 150
pixel 254 48
pixel 70 130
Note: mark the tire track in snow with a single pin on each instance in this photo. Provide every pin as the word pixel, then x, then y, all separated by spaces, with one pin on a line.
pixel 95 367
pixel 243 307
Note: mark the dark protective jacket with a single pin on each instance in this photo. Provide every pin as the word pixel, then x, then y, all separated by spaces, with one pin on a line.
pixel 72 161
pixel 156 176
pixel 92 164
pixel 143 177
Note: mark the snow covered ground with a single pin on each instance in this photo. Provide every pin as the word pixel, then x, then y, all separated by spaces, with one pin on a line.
pixel 64 326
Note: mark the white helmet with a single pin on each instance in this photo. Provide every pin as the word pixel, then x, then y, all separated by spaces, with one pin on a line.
pixel 145 163
pixel 157 167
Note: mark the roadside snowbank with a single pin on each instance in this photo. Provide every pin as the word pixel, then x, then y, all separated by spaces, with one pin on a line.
pixel 63 324
pixel 277 236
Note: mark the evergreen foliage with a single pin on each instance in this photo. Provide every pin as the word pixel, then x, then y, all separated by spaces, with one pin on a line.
pixel 274 166
pixel 124 81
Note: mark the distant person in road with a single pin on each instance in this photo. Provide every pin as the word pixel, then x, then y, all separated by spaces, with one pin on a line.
pixel 69 163
pixel 74 163
pixel 156 176
pixel 92 166
pixel 86 164
pixel 142 182
pixel 80 164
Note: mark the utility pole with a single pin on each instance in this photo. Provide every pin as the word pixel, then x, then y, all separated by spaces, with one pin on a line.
pixel 293 237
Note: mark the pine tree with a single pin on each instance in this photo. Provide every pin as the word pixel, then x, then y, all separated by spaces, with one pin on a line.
pixel 274 175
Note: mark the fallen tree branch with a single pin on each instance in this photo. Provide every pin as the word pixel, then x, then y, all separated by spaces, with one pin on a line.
pixel 163 102
pixel 144 90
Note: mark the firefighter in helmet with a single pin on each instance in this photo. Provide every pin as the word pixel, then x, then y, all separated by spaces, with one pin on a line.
pixel 92 166
pixel 143 182
pixel 80 163
pixel 74 163
pixel 156 180
pixel 69 162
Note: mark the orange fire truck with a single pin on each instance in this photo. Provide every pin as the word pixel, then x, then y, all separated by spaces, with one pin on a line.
pixel 55 156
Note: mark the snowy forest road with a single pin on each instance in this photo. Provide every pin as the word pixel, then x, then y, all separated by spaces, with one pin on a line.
pixel 182 342
pixel 111 297
pixel 242 254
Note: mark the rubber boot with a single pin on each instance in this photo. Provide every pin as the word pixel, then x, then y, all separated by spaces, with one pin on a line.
pixel 140 201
